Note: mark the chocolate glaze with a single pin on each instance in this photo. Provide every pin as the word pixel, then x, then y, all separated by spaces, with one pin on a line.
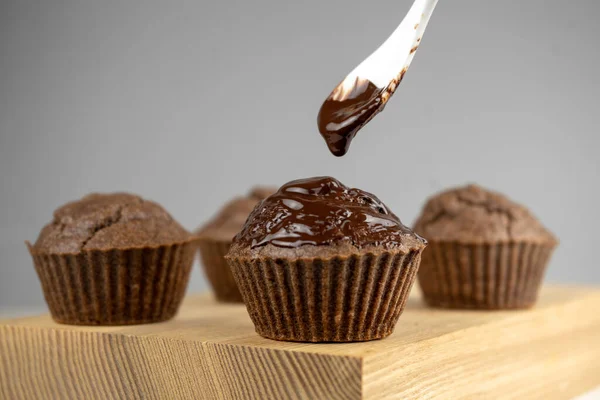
pixel 321 211
pixel 339 121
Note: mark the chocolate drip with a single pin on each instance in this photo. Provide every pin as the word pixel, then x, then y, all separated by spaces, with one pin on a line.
pixel 340 120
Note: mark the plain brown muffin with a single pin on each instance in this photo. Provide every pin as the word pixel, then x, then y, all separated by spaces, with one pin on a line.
pixel 215 238
pixel 472 214
pixel 109 221
pixel 485 251
pixel 320 262
pixel 111 259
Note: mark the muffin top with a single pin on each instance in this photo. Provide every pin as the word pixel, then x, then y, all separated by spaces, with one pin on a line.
pixel 109 221
pixel 231 218
pixel 475 215
pixel 321 217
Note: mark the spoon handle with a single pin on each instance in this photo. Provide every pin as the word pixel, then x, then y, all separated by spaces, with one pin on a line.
pixel 427 8
pixel 394 56
pixel 405 45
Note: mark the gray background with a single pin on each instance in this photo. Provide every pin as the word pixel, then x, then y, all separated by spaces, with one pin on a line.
pixel 190 103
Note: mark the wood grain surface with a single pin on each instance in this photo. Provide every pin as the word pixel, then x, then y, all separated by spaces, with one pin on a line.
pixel 210 351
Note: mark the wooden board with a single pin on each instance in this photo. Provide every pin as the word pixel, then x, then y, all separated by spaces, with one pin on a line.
pixel 210 351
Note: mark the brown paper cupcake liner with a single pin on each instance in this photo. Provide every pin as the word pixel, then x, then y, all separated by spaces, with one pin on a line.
pixel 115 287
pixel 483 276
pixel 217 270
pixel 347 299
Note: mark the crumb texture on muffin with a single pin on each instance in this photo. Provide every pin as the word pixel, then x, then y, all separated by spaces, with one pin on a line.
pixel 109 221
pixel 473 214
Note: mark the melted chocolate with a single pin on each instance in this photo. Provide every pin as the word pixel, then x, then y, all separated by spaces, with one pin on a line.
pixel 339 121
pixel 320 211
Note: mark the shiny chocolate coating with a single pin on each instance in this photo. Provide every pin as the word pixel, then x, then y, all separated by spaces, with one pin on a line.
pixel 340 120
pixel 322 211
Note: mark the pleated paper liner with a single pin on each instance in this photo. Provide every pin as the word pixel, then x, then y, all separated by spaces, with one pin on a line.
pixel 217 270
pixel 483 276
pixel 341 299
pixel 115 287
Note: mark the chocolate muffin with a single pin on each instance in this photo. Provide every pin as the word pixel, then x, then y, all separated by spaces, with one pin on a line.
pixel 113 259
pixel 320 262
pixel 485 251
pixel 215 238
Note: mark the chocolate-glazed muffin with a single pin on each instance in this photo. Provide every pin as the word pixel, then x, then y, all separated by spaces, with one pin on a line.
pixel 320 262
pixel 485 251
pixel 113 259
pixel 215 238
